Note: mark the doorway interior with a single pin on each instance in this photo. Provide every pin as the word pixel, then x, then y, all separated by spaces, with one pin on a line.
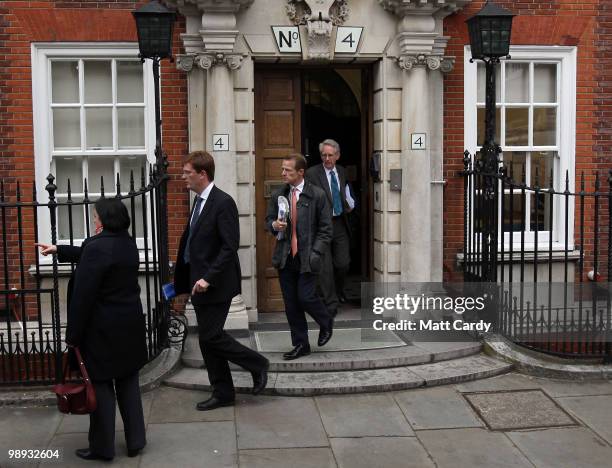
pixel 295 110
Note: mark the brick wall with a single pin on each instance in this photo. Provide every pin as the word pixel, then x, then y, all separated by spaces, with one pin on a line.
pixel 561 22
pixel 25 22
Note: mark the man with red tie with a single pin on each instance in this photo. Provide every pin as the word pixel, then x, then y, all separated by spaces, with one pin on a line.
pixel 298 253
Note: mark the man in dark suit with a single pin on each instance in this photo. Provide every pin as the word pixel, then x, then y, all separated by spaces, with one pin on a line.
pixel 331 177
pixel 298 253
pixel 209 269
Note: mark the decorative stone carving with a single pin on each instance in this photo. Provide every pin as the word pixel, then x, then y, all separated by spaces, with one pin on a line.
pixel 408 62
pixel 447 64
pixel 404 7
pixel 187 6
pixel 185 62
pixel 319 16
pixel 206 61
pixel 301 11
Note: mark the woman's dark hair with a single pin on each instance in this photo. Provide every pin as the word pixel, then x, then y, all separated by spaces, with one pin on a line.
pixel 113 214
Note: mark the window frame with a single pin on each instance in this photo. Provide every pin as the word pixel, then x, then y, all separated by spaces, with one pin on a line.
pixel 566 58
pixel 42 56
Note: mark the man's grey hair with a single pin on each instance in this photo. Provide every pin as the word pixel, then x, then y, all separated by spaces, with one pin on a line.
pixel 329 142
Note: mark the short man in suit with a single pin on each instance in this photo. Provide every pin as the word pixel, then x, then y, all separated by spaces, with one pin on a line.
pixel 331 177
pixel 209 269
pixel 298 253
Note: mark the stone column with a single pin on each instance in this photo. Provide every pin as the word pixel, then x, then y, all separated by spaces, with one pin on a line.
pixel 416 174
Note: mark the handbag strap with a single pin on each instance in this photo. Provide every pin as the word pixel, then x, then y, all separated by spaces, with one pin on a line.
pixel 84 373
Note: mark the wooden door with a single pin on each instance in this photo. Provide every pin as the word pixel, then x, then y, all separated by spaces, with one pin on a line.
pixel 277 134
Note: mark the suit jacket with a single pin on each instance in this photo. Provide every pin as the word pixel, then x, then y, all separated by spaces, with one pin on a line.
pixel 318 177
pixel 105 316
pixel 213 251
pixel 314 228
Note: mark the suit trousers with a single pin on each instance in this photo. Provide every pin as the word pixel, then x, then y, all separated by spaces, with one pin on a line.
pixel 102 420
pixel 300 295
pixel 336 263
pixel 218 347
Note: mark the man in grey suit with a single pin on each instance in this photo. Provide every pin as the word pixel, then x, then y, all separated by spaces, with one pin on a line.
pixel 331 177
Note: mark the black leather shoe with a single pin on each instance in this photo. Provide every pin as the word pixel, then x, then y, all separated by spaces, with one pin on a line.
pixel 299 351
pixel 325 334
pixel 134 452
pixel 87 454
pixel 213 403
pixel 342 298
pixel 260 380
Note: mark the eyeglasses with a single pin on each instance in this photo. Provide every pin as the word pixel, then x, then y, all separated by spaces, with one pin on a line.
pixel 327 156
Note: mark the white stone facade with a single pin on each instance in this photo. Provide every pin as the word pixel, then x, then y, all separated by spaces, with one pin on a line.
pixel 403 42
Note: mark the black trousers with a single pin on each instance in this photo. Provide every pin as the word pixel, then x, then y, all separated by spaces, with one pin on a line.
pixel 300 295
pixel 336 262
pixel 218 347
pixel 102 420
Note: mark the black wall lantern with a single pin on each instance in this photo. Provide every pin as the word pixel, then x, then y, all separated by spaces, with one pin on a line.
pixel 490 30
pixel 154 23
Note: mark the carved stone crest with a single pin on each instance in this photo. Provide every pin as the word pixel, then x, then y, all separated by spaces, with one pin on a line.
pixel 319 16
pixel 300 11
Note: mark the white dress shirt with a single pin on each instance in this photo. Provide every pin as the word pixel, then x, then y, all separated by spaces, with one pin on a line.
pixel 204 195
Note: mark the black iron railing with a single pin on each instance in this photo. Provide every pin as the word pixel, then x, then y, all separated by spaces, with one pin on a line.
pixel 32 324
pixel 548 250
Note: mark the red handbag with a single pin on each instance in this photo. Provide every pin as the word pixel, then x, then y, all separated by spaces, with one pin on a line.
pixel 76 398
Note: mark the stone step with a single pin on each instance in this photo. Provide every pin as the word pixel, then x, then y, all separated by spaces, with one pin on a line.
pixel 322 360
pixel 354 381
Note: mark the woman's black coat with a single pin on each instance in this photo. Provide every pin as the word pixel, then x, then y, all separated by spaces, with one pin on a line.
pixel 105 317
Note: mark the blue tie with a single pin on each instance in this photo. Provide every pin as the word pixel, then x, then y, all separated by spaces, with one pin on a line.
pixel 194 219
pixel 335 194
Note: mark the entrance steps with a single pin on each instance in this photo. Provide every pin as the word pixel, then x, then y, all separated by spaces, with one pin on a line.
pixel 348 364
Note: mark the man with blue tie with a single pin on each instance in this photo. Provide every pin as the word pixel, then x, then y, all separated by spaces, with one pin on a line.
pixel 331 177
pixel 208 268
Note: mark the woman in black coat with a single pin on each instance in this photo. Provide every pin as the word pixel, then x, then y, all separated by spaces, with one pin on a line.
pixel 106 322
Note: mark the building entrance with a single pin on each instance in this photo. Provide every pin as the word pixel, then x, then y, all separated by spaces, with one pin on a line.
pixel 295 110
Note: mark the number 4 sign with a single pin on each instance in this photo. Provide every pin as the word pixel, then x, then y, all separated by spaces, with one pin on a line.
pixel 347 39
pixel 220 142
pixel 419 141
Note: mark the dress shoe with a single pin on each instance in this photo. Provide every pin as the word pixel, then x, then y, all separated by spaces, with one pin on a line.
pixel 298 351
pixel 87 454
pixel 325 335
pixel 341 298
pixel 134 452
pixel 213 403
pixel 260 379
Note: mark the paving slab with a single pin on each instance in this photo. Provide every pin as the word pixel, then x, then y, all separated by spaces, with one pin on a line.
pixel 26 428
pixel 282 458
pixel 519 409
pixel 344 339
pixel 594 411
pixel 460 370
pixel 561 388
pixel 471 447
pixel 511 381
pixel 278 422
pixel 195 444
pixel 436 408
pixel 569 447
pixel 362 415
pixel 80 422
pixel 68 443
pixel 449 349
pixel 377 452
pixel 178 405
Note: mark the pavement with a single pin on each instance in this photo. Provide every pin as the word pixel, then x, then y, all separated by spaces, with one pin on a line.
pixel 511 420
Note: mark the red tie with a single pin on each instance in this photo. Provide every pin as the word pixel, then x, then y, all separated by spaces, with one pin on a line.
pixel 294 247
